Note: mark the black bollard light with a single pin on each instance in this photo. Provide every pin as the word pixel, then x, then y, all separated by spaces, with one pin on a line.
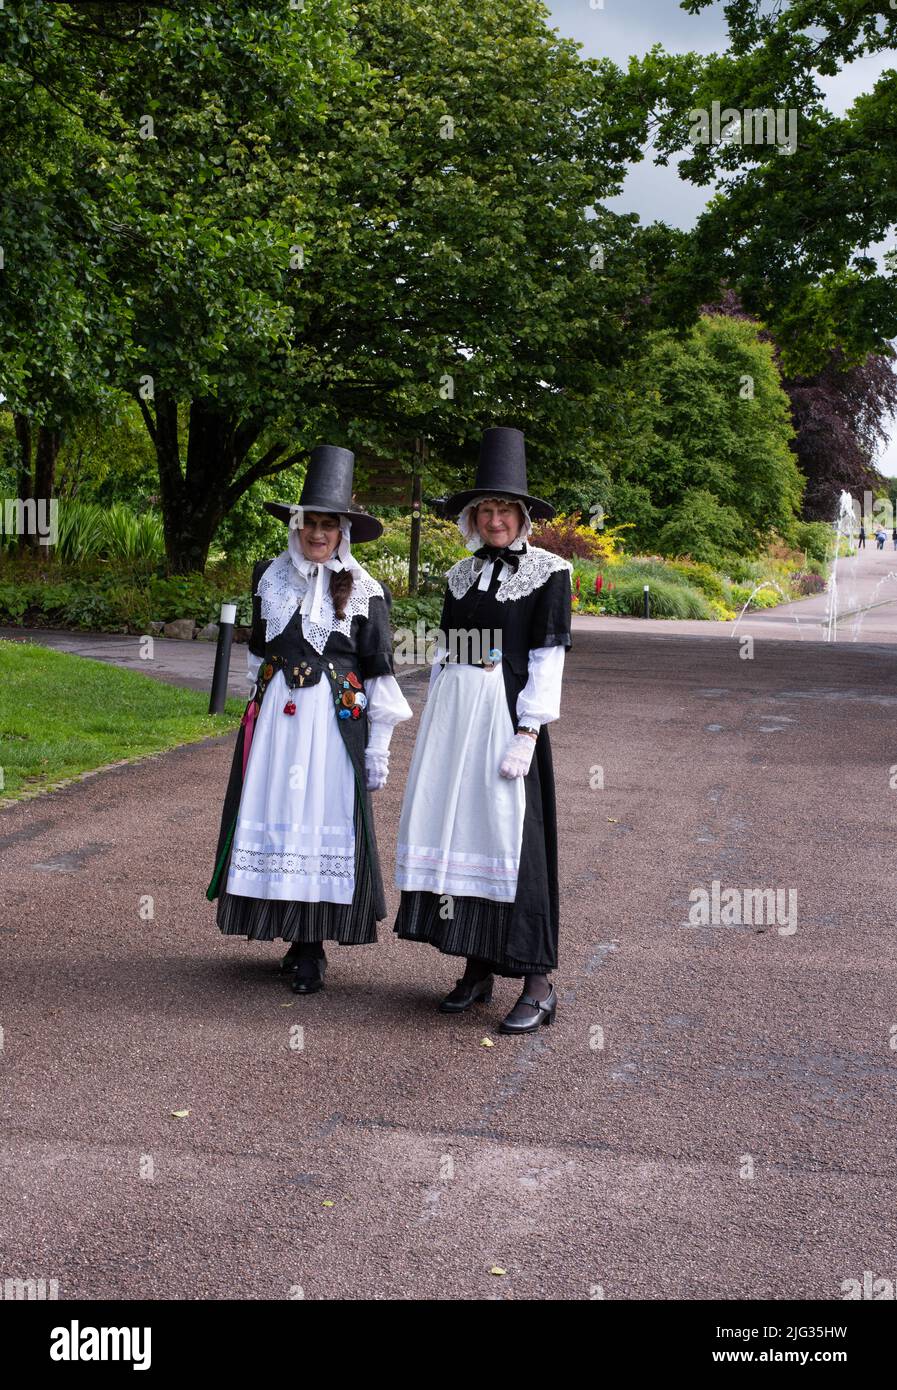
pixel 647 613
pixel 222 657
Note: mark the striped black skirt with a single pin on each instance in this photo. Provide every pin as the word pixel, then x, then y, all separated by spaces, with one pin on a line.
pixel 477 927
pixel 271 919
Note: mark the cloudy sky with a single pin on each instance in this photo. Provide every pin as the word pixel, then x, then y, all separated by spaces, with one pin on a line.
pixel 618 28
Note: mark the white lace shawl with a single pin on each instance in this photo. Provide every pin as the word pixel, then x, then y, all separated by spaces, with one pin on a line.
pixel 536 565
pixel 282 588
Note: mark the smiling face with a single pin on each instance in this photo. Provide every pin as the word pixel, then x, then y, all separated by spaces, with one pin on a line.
pixel 498 521
pixel 319 536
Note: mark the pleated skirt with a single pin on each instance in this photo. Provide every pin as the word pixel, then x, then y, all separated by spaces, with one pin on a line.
pixel 458 857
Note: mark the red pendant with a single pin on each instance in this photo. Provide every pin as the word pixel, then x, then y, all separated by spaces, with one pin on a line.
pixel 289 707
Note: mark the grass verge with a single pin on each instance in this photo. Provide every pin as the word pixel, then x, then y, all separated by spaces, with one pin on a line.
pixel 63 715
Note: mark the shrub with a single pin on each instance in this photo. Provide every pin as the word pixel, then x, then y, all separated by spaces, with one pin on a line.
pixel 809 583
pixel 768 598
pixel 407 612
pixel 668 600
pixel 763 598
pixel 565 536
pixel 701 527
pixel 702 577
pixel 88 531
pixel 13 603
pixel 815 538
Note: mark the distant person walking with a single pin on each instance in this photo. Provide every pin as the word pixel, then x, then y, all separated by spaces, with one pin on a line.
pixel 894 537
pixel 861 540
pixel 881 536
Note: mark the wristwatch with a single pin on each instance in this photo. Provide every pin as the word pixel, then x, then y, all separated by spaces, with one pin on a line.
pixel 525 729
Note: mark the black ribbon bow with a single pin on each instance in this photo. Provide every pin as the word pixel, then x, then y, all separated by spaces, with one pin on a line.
pixel 498 552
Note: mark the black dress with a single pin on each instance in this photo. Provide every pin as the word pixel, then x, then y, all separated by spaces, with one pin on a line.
pixel 521 937
pixel 346 662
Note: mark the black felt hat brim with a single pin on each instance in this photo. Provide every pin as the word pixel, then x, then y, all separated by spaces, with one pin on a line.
pixel 537 508
pixel 364 526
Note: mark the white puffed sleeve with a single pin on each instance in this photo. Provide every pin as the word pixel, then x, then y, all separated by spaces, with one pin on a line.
pixel 539 702
pixel 386 708
pixel 252 667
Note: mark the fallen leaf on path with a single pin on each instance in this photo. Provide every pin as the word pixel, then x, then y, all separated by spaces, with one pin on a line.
pixel 180 1114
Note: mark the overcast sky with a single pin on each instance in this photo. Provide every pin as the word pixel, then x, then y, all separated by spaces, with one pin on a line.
pixel 624 27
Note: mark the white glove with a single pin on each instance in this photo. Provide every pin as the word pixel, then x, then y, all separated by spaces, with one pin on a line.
pixel 253 663
pixel 376 769
pixel 518 756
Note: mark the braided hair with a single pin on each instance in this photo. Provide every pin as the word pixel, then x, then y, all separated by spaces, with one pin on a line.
pixel 340 588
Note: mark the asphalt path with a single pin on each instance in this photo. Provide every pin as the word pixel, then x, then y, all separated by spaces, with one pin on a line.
pixel 712 1114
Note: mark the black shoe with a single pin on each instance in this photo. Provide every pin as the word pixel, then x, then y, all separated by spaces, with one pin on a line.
pixel 520 1021
pixel 308 976
pixel 467 992
pixel 291 959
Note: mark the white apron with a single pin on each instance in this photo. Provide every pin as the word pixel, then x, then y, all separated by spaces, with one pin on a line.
pixel 462 824
pixel 295 833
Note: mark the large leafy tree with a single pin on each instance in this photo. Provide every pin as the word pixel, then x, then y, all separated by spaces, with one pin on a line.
pixel 794 232
pixel 363 223
pixel 703 464
pixel 841 415
pixel 58 311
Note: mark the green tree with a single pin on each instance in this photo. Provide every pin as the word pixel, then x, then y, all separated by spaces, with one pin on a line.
pixel 791 231
pixel 703 462
pixel 363 224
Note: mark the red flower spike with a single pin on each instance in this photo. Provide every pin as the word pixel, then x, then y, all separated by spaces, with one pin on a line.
pixel 599 582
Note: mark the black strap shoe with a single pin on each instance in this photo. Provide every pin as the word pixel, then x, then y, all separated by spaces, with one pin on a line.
pixel 467 992
pixel 521 1019
pixel 308 976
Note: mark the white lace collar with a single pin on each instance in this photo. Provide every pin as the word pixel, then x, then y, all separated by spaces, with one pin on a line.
pixel 285 586
pixel 536 565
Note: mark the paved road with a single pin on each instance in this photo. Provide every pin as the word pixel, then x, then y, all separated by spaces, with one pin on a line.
pixel 570 1164
pixel 865 606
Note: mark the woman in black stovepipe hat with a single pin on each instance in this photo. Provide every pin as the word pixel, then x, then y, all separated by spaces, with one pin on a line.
pixel 477 849
pixel 297 857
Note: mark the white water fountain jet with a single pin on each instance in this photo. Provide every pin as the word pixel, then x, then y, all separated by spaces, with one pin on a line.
pixel 843 530
pixel 767 584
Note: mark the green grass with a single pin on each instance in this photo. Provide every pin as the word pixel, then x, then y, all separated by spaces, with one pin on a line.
pixel 61 715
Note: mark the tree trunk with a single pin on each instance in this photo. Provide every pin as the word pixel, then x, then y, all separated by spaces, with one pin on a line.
pixel 48 442
pixel 37 474
pixel 196 499
pixel 22 427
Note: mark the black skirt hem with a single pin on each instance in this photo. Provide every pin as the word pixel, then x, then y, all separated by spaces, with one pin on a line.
pixel 477 928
